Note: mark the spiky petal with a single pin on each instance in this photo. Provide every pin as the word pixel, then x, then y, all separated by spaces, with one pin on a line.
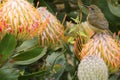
pixel 105 46
pixel 92 67
pixel 53 30
pixel 21 19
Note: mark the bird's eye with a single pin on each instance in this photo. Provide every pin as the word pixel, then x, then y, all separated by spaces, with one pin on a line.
pixel 92 9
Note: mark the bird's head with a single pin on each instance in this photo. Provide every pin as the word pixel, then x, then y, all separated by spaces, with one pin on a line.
pixel 93 9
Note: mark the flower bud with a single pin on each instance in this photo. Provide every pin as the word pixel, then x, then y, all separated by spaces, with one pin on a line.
pixel 92 67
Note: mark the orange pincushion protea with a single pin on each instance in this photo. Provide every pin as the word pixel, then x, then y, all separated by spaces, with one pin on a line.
pixel 53 30
pixel 2 27
pixel 102 45
pixel 20 18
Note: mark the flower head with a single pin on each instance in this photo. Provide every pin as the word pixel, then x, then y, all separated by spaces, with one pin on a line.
pixel 21 19
pixel 104 46
pixel 92 67
pixel 53 30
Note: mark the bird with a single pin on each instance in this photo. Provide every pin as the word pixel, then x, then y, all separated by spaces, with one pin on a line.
pixel 97 20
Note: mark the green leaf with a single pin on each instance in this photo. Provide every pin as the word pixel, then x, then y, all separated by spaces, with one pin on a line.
pixel 72 29
pixel 27 45
pixel 114 77
pixel 57 61
pixel 73 14
pixel 71 40
pixel 60 72
pixel 76 20
pixel 114 9
pixel 7 45
pixel 81 34
pixel 29 57
pixel 34 74
pixel 7 73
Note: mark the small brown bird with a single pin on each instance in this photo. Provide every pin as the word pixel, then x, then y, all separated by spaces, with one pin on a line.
pixel 97 19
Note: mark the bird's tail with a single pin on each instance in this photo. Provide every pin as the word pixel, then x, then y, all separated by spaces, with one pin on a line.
pixel 109 32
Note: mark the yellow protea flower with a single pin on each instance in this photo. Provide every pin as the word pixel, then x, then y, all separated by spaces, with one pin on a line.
pixel 21 19
pixel 102 45
pixel 53 30
pixel 92 67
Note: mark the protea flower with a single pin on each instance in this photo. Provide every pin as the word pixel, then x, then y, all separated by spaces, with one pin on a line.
pixel 53 30
pixel 92 67
pixel 102 45
pixel 20 19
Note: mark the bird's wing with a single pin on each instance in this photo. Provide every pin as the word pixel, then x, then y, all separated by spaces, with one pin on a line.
pixel 98 20
pixel 102 21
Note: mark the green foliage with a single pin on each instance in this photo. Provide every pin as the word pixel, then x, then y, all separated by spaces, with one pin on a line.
pixel 35 74
pixel 114 9
pixel 53 69
pixel 27 45
pixel 30 56
pixel 57 63
pixel 7 73
pixel 7 46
